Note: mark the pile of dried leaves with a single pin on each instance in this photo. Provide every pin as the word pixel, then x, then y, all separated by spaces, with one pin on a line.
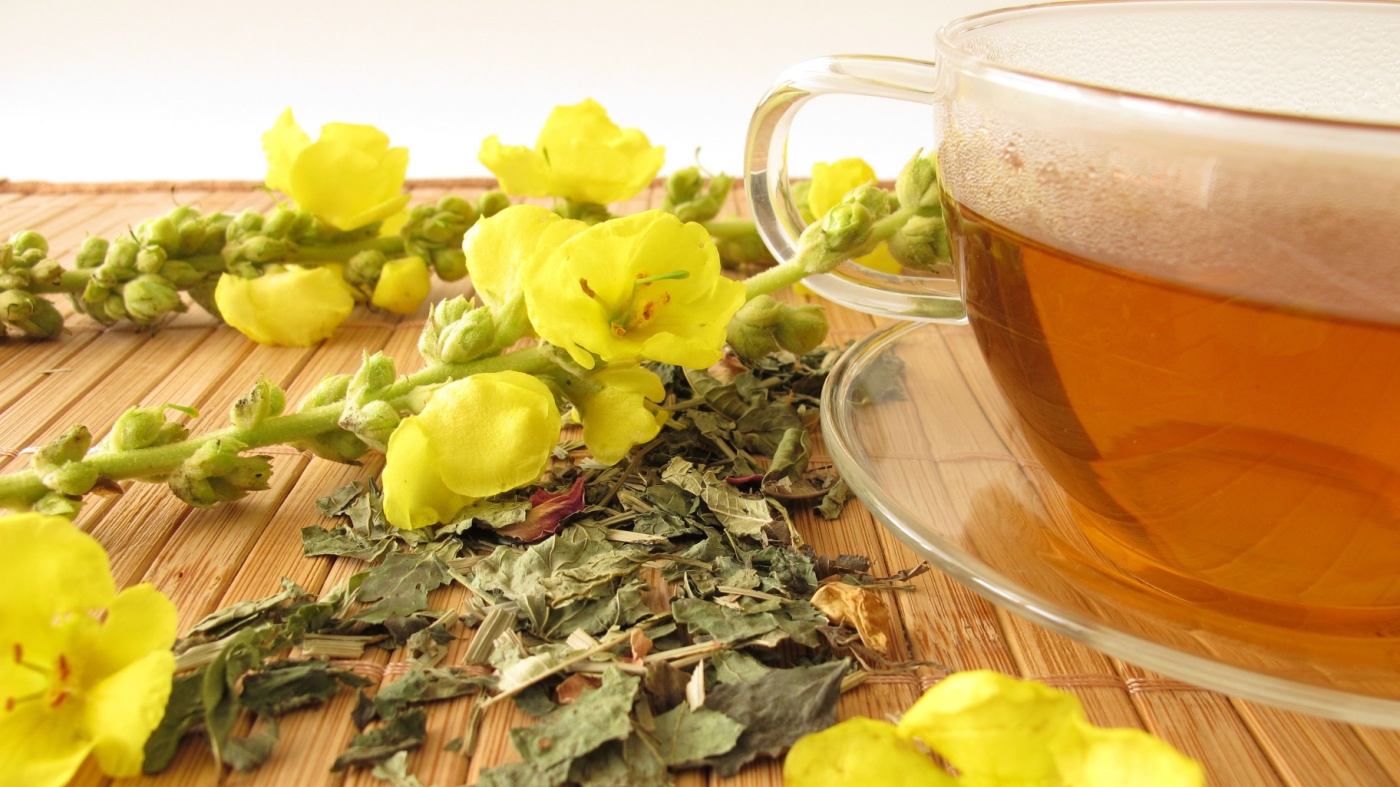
pixel 653 616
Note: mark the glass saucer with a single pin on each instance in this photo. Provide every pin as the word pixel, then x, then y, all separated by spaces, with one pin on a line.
pixel 921 434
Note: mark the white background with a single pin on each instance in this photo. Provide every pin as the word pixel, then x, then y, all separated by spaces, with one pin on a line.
pixel 100 90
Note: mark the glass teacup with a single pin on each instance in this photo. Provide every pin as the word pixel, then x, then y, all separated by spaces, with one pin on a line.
pixel 1176 235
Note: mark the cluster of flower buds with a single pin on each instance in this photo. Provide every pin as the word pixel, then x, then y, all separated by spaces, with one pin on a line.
pixel 367 415
pixel 691 198
pixel 456 332
pixel 434 232
pixel 140 276
pixel 921 242
pixel 217 472
pixel 25 266
pixel 338 444
pixel 765 325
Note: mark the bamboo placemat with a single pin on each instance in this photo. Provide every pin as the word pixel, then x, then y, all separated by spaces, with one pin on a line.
pixel 207 559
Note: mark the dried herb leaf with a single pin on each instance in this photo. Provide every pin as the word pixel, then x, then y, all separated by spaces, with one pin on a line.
pixel 627 763
pixel 687 738
pixel 835 501
pixel 395 771
pixel 400 585
pixel 426 684
pixel 776 710
pixel 183 711
pixel 283 686
pixel 403 732
pixel 574 730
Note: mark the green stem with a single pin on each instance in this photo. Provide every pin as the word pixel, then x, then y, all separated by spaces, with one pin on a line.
pixel 342 252
pixel 730 229
pixel 19 490
pixel 812 257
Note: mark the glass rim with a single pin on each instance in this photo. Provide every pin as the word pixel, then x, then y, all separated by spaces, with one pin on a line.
pixel 948 49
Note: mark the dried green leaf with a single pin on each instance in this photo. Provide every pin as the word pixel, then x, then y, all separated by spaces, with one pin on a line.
pixel 881 380
pixel 183 711
pixel 400 585
pixel 687 738
pixel 791 457
pixel 245 754
pixel 395 771
pixel 282 686
pixel 337 502
pixel 342 541
pixel 834 502
pixel 237 616
pixel 523 774
pixel 403 732
pixel 776 710
pixel 596 717
pixel 626 763
pixel 426 684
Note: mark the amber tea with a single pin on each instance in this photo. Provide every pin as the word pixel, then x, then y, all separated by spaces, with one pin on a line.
pixel 1214 444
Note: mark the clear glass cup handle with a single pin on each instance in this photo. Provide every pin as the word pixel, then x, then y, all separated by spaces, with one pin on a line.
pixel 775 211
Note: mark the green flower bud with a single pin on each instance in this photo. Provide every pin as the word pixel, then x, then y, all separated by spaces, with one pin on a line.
pixel 215 233
pixel 250 474
pixel 801 329
pixel 491 203
pixel 330 390
pixel 279 223
pixel 845 227
pixel 144 427
pixel 259 248
pixel 373 423
pixel 91 253
pixel 449 264
pixel 29 245
pixel 213 458
pixel 15 279
pixel 113 309
pixel 150 299
pixel 160 232
pixel 30 314
pixel 120 262
pixel 877 201
pixel 265 400
pixel 71 446
pixel 452 335
pixel 588 212
pixel 364 268
pixel 180 273
pixel 243 225
pixel 922 243
pixel 193 490
pixel 683 186
pixel 375 374
pixel 182 215
pixel 751 330
pixel 451 203
pixel 192 235
pixel 150 259
pixel 46 271
pixel 54 504
pixel 917 186
pixel 336 445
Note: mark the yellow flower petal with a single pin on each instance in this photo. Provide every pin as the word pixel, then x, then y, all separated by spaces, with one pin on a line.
pixel 403 285
pixel 39 747
pixel 477 437
pixel 491 433
pixel 292 307
pixel 1115 757
pixel 414 493
pixel 61 569
pixel 880 260
pixel 995 729
pixel 500 246
pixel 349 186
pixel 282 143
pixel 616 417
pixel 125 708
pixel 580 155
pixel 832 181
pixel 598 292
pixel 858 752
pixel 139 620
pixel 520 170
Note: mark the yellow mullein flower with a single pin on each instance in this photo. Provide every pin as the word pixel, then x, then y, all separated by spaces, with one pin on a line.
pixel 580 155
pixel 499 247
pixel 71 685
pixel 403 285
pixel 291 307
pixel 857 752
pixel 997 731
pixel 830 183
pixel 348 178
pixel 616 416
pixel 477 437
pixel 644 286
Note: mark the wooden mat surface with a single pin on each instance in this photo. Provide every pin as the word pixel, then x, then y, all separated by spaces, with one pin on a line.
pixel 208 559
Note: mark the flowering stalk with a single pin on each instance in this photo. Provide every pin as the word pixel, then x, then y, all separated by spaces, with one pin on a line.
pixel 22 490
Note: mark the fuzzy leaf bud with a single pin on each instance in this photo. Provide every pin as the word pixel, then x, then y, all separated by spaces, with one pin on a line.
pixel 149 299
pixel 917 185
pixel 337 445
pixel 491 203
pixel 144 427
pixel 91 253
pixel 449 264
pixel 845 227
pixel 373 423
pixel 30 314
pixel 192 235
pixel 150 259
pixel 55 504
pixel 801 329
pixel 375 374
pixel 750 332
pixel 329 391
pixel 921 244
pixel 364 268
pixel 29 246
pixel 160 232
pixel 264 400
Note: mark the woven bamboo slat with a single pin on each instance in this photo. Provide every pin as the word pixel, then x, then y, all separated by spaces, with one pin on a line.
pixel 206 559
